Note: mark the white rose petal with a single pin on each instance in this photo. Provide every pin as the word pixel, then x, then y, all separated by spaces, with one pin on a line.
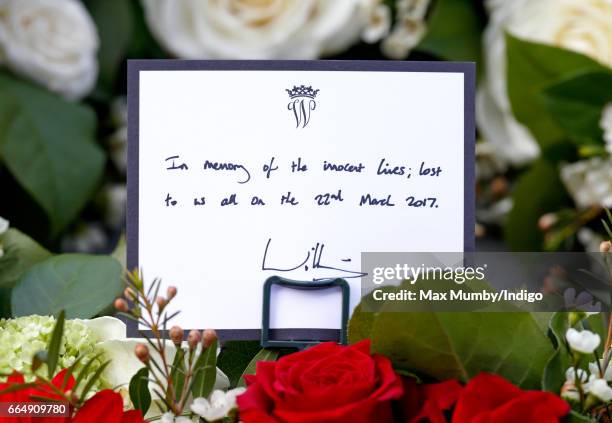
pixel 106 328
pixel 583 341
pixel 589 182
pixel 606 126
pixel 579 25
pixel 600 389
pixel 53 42
pixel 264 29
pixel 219 405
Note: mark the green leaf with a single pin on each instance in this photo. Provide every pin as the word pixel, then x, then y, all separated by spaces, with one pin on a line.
pixel 177 374
pixel 80 284
pixel 453 31
pixel 120 252
pixel 576 105
pixel 533 67
pixel 92 381
pixel 139 390
pixel 114 20
pixel 264 355
pixel 55 343
pixel 360 325
pixel 205 372
pixel 538 191
pixel 48 145
pixel 235 356
pixel 460 345
pixel 575 417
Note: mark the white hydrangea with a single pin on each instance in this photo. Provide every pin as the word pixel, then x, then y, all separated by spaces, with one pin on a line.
pixel 22 337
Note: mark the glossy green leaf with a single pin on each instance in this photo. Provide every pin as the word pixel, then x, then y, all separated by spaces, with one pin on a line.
pixel 533 67
pixel 205 372
pixel 235 356
pixel 460 345
pixel 139 390
pixel 264 355
pixel 80 284
pixel 576 104
pixel 48 145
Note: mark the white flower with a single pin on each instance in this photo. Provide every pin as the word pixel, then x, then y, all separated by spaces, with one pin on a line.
pixel 606 126
pixel 570 375
pixel 594 369
pixel 584 341
pixel 600 389
pixel 53 42
pixel 589 182
pixel 379 24
pixel 4 225
pixel 220 404
pixel 406 34
pixel 115 196
pixel 579 25
pixel 169 418
pixel 263 29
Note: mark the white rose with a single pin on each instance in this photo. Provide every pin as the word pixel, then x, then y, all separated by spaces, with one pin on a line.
pixel 579 25
pixel 53 42
pixel 262 29
pixel 589 182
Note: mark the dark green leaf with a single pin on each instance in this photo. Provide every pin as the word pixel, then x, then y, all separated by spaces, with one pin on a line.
pixel 533 67
pixel 205 372
pixel 48 145
pixel 82 285
pixel 537 192
pixel 453 31
pixel 235 356
pixel 84 371
pixel 574 417
pixel 114 20
pixel 55 343
pixel 263 355
pixel 178 373
pixel 139 390
pixel 576 105
pixel 460 345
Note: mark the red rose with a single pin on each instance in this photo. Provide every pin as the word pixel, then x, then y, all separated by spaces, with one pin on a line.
pixel 428 402
pixel 106 405
pixel 327 383
pixel 489 398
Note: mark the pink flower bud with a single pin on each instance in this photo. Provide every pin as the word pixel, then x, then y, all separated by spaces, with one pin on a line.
pixel 161 302
pixel 176 335
pixel 193 339
pixel 605 247
pixel 547 221
pixel 121 305
pixel 129 294
pixel 142 352
pixel 209 337
pixel 171 292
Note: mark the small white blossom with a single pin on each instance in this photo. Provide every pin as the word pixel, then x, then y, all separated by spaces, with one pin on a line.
pixel 594 369
pixel 4 225
pixel 379 25
pixel 600 389
pixel 220 404
pixel 589 182
pixel 169 418
pixel 584 341
pixel 606 126
pixel 406 34
pixel 570 375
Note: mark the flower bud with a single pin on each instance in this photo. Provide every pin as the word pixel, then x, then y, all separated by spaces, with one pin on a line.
pixel 209 337
pixel 121 305
pixel 499 186
pixel 176 335
pixel 72 396
pixel 161 302
pixel 129 294
pixel 547 221
pixel 605 247
pixel 171 292
pixel 193 339
pixel 142 353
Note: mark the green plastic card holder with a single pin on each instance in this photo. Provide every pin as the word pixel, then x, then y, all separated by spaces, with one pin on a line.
pixel 266 342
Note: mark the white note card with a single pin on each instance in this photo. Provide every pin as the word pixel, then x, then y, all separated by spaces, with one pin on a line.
pixel 239 171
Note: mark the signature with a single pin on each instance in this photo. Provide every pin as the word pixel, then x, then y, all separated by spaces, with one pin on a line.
pixel 312 261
